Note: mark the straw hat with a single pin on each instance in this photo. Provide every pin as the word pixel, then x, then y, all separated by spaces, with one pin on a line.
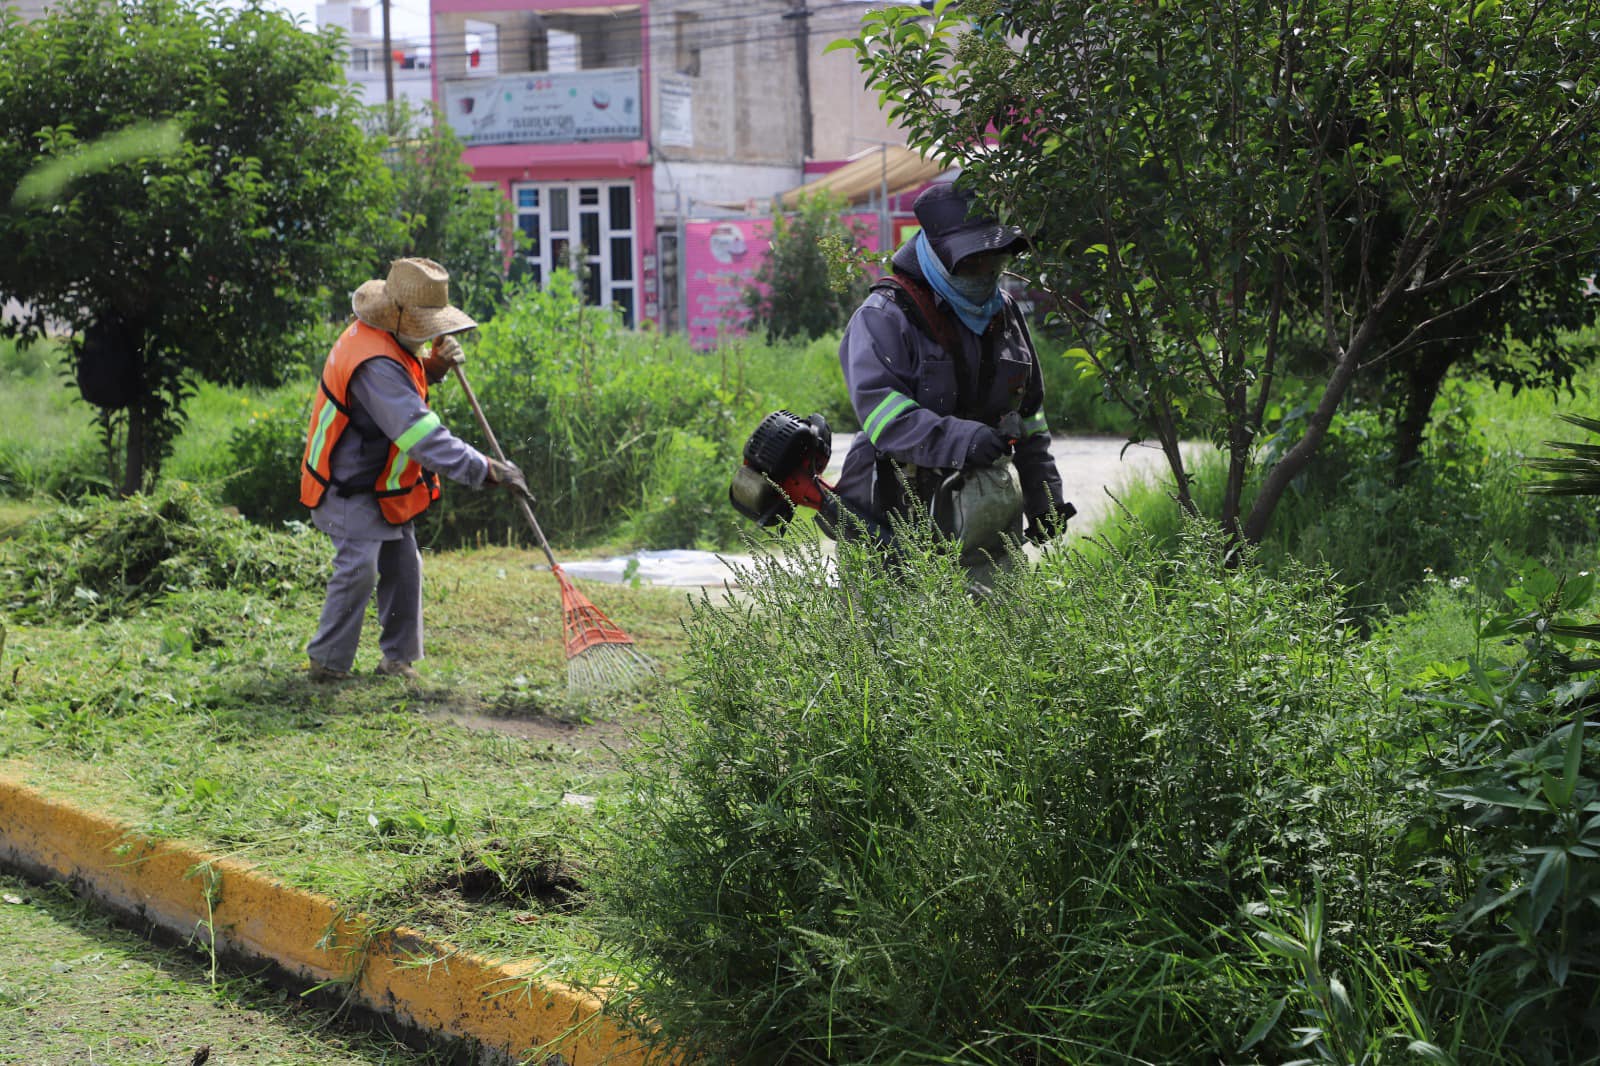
pixel 413 302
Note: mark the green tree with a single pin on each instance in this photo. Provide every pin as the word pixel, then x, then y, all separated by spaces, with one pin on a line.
pixel 442 215
pixel 182 258
pixel 810 281
pixel 1225 193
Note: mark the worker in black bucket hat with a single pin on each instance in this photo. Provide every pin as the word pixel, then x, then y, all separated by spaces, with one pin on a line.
pixel 944 377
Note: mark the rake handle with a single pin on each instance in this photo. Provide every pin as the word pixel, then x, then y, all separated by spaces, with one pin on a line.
pixel 522 499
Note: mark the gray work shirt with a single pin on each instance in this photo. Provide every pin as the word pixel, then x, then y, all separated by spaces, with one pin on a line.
pixel 384 404
pixel 919 406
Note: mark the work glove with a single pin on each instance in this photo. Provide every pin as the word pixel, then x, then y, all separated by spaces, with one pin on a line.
pixel 444 353
pixel 986 447
pixel 507 476
pixel 1047 525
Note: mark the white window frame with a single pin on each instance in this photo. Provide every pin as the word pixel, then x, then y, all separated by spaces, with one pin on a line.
pixel 598 260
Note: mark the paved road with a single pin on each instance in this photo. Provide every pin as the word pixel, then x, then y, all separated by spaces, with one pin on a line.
pixel 1090 466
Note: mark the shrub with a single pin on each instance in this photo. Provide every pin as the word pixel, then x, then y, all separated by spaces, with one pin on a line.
pixel 681 506
pixel 812 277
pixel 1514 770
pixel 890 820
pixel 589 408
pixel 265 453
pixel 1382 535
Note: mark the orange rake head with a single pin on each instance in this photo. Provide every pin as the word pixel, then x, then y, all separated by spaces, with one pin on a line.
pixel 600 656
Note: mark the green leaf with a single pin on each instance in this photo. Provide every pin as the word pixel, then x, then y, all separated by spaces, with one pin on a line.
pixel 1494 796
pixel 1264 1025
pixel 1548 883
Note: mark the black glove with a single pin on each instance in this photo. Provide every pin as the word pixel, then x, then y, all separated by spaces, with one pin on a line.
pixel 507 476
pixel 1050 524
pixel 986 447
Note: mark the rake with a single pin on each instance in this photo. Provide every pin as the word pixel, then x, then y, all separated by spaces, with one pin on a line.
pixel 600 656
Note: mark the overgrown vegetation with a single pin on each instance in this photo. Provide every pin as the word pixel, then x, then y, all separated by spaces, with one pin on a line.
pixel 968 827
pixel 1139 805
pixel 622 434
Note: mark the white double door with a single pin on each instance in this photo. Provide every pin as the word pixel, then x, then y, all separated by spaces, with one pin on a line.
pixel 588 227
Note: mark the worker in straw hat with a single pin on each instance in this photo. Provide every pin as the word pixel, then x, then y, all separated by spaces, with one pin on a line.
pixel 374 454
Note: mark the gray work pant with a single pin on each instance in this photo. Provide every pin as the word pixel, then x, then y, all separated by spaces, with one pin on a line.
pixel 395 567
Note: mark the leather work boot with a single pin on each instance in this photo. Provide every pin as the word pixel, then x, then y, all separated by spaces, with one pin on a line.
pixel 317 672
pixel 397 668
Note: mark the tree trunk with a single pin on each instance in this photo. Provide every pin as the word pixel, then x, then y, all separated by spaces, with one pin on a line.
pixel 1278 479
pixel 133 464
pixel 1420 384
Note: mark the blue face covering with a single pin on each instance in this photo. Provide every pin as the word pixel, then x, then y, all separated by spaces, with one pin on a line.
pixel 975 300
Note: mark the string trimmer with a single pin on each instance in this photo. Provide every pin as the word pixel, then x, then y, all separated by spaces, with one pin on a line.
pixel 600 656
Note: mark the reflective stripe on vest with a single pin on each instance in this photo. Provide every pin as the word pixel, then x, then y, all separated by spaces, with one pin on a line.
pixel 403 489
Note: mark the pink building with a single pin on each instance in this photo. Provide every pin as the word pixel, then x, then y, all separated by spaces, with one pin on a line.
pixel 611 127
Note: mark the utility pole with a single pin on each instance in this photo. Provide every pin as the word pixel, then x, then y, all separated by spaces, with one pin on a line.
pixel 884 240
pixel 883 189
pixel 388 70
pixel 801 17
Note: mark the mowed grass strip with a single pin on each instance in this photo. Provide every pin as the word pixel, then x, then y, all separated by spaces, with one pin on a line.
pixel 468 805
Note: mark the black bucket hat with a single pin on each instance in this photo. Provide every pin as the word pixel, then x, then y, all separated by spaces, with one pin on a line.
pixel 943 208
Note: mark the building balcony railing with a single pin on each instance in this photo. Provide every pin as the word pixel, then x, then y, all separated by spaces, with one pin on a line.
pixel 546 107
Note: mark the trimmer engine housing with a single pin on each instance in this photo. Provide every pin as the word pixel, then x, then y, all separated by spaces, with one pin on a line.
pixel 783 463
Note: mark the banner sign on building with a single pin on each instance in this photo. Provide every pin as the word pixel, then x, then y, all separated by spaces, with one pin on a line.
pixel 675 120
pixel 544 107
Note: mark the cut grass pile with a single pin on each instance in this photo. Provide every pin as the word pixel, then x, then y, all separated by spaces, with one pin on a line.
pixel 467 805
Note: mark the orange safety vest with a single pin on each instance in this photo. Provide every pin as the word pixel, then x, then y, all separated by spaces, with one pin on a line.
pixel 404 489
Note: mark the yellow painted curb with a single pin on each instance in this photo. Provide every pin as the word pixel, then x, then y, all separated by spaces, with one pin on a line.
pixel 399 973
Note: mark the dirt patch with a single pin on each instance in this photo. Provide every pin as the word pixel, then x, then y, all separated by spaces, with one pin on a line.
pixel 598 735
pixel 493 873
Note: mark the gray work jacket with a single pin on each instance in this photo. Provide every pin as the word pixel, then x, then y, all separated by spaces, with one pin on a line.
pixel 921 408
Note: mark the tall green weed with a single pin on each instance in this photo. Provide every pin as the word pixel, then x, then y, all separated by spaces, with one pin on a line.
pixel 888 820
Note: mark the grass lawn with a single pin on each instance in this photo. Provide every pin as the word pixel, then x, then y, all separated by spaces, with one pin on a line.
pixel 79 989
pixel 469 804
